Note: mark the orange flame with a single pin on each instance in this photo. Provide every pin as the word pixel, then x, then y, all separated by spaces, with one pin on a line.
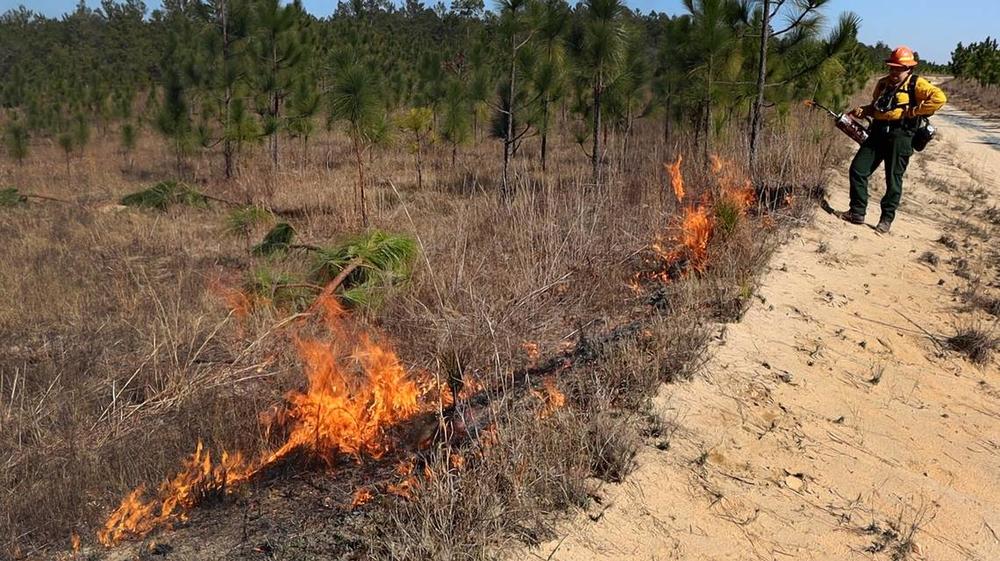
pixel 698 223
pixel 716 163
pixel 361 496
pixel 696 228
pixel 409 482
pixel 676 179
pixel 552 398
pixel 356 390
pixel 530 348
pixel 74 540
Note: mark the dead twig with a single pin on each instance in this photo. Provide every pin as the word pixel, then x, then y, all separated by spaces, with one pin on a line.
pixel 930 335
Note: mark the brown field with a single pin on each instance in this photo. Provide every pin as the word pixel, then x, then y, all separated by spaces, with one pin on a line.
pixel 973 97
pixel 119 349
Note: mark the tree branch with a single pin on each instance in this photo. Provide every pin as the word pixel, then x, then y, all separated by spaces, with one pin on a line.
pixel 805 12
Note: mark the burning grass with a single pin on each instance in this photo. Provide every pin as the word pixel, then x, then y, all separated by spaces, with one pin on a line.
pixel 357 390
pixel 121 368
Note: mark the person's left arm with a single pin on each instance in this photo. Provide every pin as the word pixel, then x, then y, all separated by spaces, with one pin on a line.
pixel 930 98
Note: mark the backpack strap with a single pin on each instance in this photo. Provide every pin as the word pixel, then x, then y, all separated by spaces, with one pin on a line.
pixel 911 90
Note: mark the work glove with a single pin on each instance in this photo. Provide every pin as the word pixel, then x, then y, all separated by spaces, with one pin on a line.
pixel 859 111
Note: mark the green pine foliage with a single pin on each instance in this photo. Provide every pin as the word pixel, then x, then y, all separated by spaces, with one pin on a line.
pixel 214 78
pixel 16 139
pixel 243 220
pixel 11 197
pixel 382 260
pixel 277 240
pixel 979 61
pixel 165 194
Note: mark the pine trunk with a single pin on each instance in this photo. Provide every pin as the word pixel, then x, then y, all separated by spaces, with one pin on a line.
pixel 595 156
pixel 758 106
pixel 361 182
pixel 508 140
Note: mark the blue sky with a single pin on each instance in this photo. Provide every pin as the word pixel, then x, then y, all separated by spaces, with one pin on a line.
pixel 927 26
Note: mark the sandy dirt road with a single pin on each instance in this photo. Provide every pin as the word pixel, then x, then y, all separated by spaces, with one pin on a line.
pixel 829 425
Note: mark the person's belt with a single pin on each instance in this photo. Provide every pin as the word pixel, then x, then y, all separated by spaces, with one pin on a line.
pixel 895 123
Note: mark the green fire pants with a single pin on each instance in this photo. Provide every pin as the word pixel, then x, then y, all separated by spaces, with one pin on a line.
pixel 892 146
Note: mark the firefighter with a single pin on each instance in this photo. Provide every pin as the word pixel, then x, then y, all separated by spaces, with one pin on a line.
pixel 900 103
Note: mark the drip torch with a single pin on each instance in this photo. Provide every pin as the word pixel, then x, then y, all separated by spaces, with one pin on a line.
pixel 846 123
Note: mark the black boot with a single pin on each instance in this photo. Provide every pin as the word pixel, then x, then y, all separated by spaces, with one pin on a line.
pixel 883 226
pixel 851 217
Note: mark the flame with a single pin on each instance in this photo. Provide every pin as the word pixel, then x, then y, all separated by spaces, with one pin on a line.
pixel 676 179
pixel 551 397
pixel 698 223
pixel 716 163
pixel 361 496
pixel 356 390
pixel 530 348
pixel 696 228
pixel 406 485
pixel 74 539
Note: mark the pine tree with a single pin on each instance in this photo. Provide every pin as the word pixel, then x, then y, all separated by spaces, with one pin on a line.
pixel 418 124
pixel 16 138
pixel 65 141
pixel 173 119
pixel 304 105
pixel 714 46
pixel 600 50
pixel 549 76
pixel 516 29
pixel 456 123
pixel 281 42
pixel 356 98
pixel 802 22
pixel 129 139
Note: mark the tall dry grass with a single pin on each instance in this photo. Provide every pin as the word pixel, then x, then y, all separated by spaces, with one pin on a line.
pixel 973 96
pixel 118 350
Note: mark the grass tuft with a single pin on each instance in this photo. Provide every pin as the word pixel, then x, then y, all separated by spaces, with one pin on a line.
pixel 728 213
pixel 947 241
pixel 975 342
pixel 930 258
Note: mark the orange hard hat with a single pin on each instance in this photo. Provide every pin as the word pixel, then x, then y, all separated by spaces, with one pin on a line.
pixel 902 56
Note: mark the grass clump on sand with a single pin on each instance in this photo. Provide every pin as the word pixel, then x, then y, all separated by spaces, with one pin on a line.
pixel 975 342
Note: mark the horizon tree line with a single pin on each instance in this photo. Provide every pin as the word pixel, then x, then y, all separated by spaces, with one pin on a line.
pixel 217 76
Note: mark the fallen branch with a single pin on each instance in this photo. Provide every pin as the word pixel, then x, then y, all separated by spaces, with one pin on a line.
pixel 331 286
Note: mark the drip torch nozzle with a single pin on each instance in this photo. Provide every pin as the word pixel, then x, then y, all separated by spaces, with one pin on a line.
pixel 814 103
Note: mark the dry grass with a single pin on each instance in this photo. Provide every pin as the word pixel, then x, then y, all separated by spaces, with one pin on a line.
pixel 975 341
pixel 973 97
pixel 120 350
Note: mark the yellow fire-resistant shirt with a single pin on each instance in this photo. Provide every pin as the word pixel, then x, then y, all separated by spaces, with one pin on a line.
pixel 930 98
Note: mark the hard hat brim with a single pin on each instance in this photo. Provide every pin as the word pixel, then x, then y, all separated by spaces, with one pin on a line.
pixel 890 62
